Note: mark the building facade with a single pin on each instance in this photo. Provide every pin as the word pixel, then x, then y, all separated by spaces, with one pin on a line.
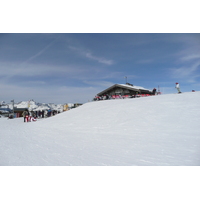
pixel 125 90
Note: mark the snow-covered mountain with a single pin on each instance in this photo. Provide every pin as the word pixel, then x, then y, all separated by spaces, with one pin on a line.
pixel 32 105
pixel 155 131
pixel 27 104
pixel 58 107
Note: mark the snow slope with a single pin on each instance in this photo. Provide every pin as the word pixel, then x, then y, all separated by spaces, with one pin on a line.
pixel 154 131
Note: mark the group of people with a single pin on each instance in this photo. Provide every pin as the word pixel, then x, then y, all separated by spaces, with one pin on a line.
pixel 29 116
pixel 34 115
pixel 106 96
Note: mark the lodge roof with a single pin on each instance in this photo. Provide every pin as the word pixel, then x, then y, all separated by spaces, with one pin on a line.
pixel 125 86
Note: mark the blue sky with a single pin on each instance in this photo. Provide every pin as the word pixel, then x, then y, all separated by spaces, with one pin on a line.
pixel 74 67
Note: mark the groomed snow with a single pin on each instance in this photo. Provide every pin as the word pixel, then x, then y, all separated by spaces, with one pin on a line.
pixel 150 131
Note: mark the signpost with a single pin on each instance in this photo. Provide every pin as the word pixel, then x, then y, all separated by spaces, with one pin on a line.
pixel 13 107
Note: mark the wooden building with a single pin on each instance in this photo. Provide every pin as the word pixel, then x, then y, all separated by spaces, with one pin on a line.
pixel 18 111
pixel 125 90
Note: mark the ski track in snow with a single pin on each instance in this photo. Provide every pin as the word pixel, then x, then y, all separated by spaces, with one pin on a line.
pixel 154 131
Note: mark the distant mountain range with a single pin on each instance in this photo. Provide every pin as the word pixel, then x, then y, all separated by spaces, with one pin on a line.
pixel 32 105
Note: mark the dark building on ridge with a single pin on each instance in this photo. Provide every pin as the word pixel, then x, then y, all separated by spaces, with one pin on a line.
pixel 125 90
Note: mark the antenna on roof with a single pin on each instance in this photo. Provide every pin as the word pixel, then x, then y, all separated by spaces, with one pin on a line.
pixel 126 79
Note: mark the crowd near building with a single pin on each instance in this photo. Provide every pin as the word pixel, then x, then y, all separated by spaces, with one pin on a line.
pixel 35 110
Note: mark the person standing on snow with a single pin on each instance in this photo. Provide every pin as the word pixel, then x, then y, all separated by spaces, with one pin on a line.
pixel 178 87
pixel 25 114
pixel 154 91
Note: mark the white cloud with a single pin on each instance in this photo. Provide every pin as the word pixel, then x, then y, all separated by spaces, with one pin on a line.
pixel 89 55
pixel 99 83
pixel 99 59
pixel 40 52
pixel 147 61
pixel 188 73
pixel 10 70
pixel 190 57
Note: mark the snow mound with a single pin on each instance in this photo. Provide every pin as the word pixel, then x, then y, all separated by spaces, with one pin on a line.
pixel 157 130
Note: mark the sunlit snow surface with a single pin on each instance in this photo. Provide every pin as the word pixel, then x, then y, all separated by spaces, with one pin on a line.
pixel 154 131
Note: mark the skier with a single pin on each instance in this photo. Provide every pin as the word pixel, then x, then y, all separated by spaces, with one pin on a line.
pixel 178 87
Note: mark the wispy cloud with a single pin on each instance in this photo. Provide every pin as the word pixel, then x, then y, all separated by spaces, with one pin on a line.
pixel 188 73
pixel 89 55
pixel 99 59
pixel 40 52
pixel 99 83
pixel 145 61
pixel 10 71
pixel 191 48
pixel 190 57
